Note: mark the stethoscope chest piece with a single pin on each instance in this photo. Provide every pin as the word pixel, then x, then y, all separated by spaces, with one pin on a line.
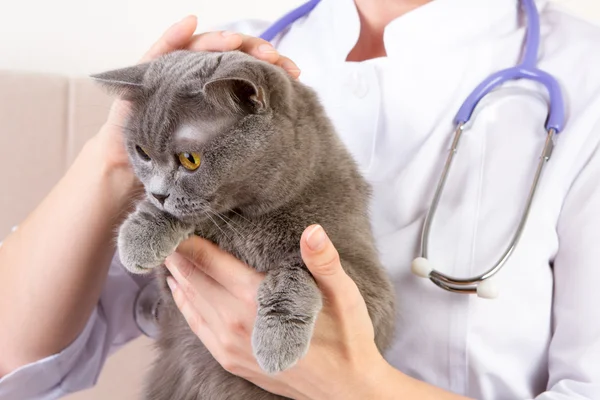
pixel 146 309
pixel 485 288
pixel 483 284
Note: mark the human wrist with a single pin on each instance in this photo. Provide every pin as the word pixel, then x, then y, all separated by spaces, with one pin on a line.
pixel 112 174
pixel 380 380
pixel 393 385
pixel 109 150
pixel 369 380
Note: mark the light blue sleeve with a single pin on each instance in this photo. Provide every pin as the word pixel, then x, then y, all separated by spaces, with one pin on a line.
pixel 78 366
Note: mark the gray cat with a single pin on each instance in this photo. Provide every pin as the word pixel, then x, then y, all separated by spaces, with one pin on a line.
pixel 231 148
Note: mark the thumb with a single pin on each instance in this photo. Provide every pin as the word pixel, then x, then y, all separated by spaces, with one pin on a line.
pixel 323 262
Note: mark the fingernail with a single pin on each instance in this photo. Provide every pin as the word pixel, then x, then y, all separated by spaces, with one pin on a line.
pixel 171 283
pixel 176 260
pixel 316 238
pixel 290 67
pixel 186 18
pixel 266 48
pixel 228 33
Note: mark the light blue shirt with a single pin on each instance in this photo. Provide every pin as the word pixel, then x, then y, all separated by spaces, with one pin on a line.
pixel 77 367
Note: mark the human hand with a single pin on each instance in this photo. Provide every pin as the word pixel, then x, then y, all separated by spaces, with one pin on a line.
pixel 181 36
pixel 216 294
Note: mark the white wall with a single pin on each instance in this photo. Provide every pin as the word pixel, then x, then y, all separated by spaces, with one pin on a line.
pixel 81 37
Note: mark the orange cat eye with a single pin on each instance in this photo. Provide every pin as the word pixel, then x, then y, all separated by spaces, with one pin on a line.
pixel 189 161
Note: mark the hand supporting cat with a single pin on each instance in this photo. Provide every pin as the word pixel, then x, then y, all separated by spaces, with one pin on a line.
pixel 288 298
pixel 148 236
pixel 212 289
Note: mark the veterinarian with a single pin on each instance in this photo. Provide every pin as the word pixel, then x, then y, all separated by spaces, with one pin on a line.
pixel 392 76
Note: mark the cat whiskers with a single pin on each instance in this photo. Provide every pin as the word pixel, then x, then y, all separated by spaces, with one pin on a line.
pixel 239 215
pixel 244 218
pixel 207 213
pixel 230 223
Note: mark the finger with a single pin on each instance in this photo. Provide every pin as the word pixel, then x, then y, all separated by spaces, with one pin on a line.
pixel 215 41
pixel 265 51
pixel 229 353
pixel 289 66
pixel 198 289
pixel 256 47
pixel 235 276
pixel 259 48
pixel 193 318
pixel 176 37
pixel 323 262
pixel 229 41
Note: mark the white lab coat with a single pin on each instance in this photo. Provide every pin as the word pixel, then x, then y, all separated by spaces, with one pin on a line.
pixel 541 338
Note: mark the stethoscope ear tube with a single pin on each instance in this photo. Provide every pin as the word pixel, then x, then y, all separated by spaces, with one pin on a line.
pixel 483 284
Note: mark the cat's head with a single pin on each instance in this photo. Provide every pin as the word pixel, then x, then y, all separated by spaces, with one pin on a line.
pixel 206 131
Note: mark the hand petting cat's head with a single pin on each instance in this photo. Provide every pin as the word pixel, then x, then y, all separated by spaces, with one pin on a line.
pixel 207 130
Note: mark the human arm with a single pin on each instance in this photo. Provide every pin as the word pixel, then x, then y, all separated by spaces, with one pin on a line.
pixel 53 268
pixel 216 294
pixel 52 284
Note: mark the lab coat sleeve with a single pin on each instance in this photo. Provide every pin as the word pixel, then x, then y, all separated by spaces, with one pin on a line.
pixel 78 366
pixel 574 352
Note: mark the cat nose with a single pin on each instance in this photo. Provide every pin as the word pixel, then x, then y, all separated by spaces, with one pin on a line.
pixel 160 197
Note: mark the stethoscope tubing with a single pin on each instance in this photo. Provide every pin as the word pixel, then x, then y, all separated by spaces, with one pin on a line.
pixel 526 69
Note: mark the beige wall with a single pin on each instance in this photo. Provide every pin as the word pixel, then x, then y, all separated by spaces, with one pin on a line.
pixel 78 42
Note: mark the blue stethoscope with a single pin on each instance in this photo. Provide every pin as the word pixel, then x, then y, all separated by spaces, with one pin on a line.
pixel 527 69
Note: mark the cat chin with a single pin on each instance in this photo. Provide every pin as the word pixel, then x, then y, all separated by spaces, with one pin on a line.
pixel 189 217
pixel 193 215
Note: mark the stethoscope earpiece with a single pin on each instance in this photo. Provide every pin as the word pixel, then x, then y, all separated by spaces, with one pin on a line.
pixel 487 289
pixel 421 267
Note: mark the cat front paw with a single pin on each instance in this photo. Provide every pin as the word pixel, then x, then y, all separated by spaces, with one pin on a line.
pixel 146 240
pixel 280 341
pixel 288 304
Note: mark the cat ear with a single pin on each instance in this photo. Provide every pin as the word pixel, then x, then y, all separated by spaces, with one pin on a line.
pixel 125 82
pixel 236 94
